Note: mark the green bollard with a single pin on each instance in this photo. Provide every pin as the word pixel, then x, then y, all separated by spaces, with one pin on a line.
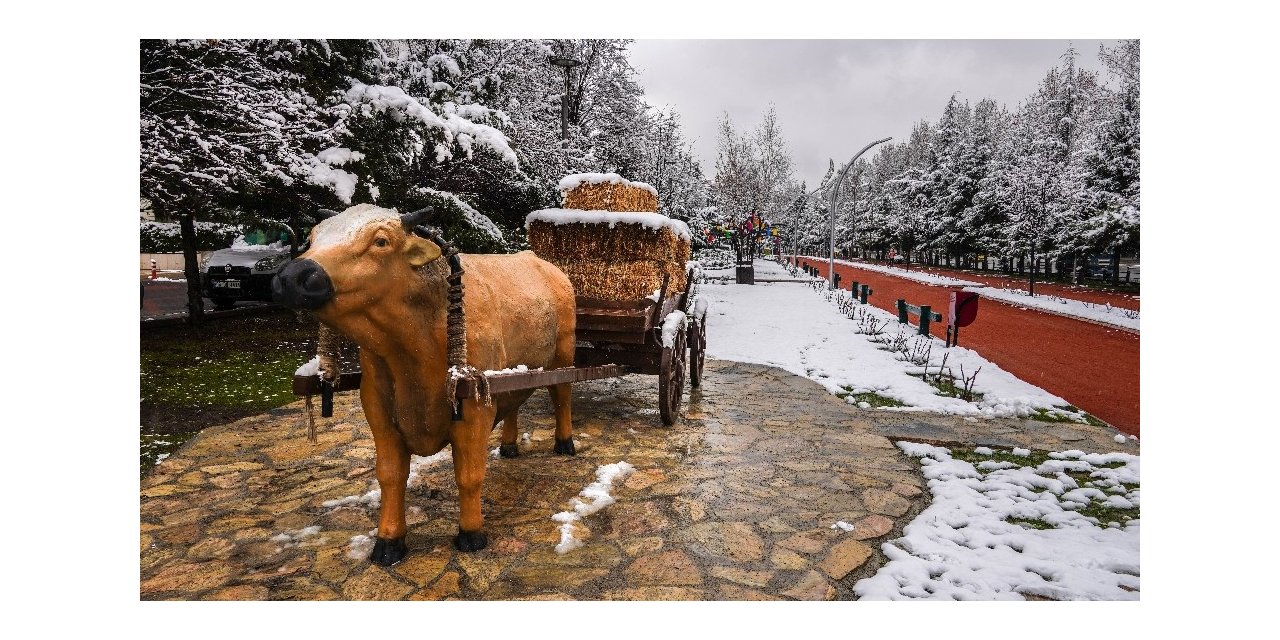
pixel 902 311
pixel 866 291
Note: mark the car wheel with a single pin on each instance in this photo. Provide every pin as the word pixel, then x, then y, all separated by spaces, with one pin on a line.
pixel 222 304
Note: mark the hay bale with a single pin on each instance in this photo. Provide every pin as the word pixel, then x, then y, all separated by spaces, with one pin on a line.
pixel 607 192
pixel 620 280
pixel 578 241
pixel 612 255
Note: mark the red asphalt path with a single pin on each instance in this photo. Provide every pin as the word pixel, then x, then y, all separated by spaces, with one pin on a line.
pixel 1091 366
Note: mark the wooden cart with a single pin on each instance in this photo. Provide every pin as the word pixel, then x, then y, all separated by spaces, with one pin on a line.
pixel 615 338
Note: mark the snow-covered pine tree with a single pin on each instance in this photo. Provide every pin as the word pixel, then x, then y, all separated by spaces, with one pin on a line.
pixel 1111 195
pixel 1068 97
pixel 984 217
pixel 875 229
pixel 734 189
pixel 774 172
pixel 222 121
pixel 1027 183
pixel 948 182
pixel 908 222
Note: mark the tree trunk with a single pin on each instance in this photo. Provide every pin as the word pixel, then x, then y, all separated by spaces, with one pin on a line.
pixel 1115 267
pixel 191 265
pixel 1033 273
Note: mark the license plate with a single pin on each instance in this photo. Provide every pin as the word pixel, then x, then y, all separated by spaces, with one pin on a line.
pixel 226 284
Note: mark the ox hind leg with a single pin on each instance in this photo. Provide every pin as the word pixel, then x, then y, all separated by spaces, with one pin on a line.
pixel 562 400
pixel 510 430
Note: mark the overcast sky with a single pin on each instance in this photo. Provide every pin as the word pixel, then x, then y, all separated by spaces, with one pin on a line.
pixel 834 96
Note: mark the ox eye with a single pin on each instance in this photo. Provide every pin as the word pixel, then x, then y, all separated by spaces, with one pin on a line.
pixel 380 242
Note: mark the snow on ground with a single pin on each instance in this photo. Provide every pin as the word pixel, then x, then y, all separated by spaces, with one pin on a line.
pixel 796 328
pixel 1103 313
pixel 597 497
pixel 1002 528
pixel 590 500
pixel 965 547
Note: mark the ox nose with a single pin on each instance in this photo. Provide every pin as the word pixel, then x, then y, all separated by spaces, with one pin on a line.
pixel 302 284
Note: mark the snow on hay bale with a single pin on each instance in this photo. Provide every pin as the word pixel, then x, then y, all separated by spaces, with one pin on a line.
pixel 606 192
pixel 612 255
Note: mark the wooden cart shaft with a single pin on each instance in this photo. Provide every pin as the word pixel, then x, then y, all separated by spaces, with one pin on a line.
pixel 622 337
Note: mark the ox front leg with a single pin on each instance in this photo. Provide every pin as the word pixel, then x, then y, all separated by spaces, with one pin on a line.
pixel 470 455
pixel 562 400
pixel 392 468
pixel 391 465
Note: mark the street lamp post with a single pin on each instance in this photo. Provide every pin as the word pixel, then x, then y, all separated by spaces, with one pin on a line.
pixel 566 64
pixel 835 200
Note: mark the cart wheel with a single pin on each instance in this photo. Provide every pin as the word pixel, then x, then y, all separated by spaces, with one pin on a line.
pixel 671 380
pixel 697 352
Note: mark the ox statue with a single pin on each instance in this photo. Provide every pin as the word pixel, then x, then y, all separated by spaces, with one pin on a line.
pixel 367 275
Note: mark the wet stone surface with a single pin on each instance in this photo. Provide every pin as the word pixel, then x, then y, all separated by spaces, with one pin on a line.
pixel 736 502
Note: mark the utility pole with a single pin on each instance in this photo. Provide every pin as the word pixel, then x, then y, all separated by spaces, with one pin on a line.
pixel 566 64
pixel 835 200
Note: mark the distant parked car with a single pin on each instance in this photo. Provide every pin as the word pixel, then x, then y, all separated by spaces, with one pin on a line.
pixel 244 270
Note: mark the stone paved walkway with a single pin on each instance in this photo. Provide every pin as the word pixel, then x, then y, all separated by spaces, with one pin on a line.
pixel 734 503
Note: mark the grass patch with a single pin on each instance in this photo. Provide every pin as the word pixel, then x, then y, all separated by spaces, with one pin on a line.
pixel 227 369
pixel 1105 513
pixel 1034 459
pixel 1031 524
pixel 1048 415
pixel 244 362
pixel 946 386
pixel 874 399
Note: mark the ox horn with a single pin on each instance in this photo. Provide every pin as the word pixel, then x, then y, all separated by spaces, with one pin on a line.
pixel 415 218
pixel 324 214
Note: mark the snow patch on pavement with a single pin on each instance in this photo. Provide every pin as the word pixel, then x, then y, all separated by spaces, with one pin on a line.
pixel 597 497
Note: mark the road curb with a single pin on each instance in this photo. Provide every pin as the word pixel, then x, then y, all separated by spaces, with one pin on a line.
pixel 1100 323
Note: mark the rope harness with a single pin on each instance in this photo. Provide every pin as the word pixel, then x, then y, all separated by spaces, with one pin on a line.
pixel 456 331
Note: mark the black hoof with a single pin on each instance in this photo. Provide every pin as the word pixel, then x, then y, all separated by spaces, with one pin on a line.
pixel 470 541
pixel 565 447
pixel 388 551
pixel 509 450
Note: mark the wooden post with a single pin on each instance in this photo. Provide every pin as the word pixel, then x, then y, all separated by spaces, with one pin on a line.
pixel 902 311
pixel 925 315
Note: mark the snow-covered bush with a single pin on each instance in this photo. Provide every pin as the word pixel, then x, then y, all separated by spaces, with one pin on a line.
pixel 715 258
pixel 165 237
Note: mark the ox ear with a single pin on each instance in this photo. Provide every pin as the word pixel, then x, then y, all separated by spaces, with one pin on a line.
pixel 420 251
